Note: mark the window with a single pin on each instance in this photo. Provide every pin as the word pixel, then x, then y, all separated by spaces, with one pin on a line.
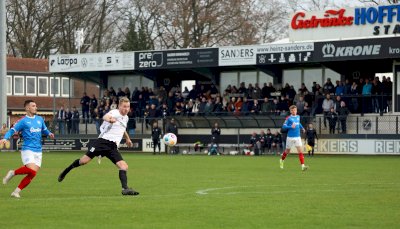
pixel 265 78
pixel 293 78
pixel 329 73
pixel 9 85
pixel 228 78
pixel 248 78
pixel 312 75
pixel 54 86
pixel 65 87
pixel 43 83
pixel 31 85
pixel 19 85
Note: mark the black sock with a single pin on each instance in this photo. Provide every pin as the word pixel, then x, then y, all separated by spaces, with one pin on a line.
pixel 70 167
pixel 123 179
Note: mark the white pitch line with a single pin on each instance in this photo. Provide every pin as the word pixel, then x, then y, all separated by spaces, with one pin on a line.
pixel 206 191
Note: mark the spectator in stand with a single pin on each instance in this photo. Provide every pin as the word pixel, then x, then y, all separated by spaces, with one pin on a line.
pixel 131 123
pixel 61 120
pixel 343 112
pixel 256 94
pixel 231 105
pixel 245 106
pixel 255 108
pixel 327 104
pixel 164 111
pixel 291 93
pixel 106 95
pixel 377 99
pixel 146 117
pixel 153 113
pixel 242 90
pixel 308 98
pixel 196 107
pixel 366 92
pixel 93 103
pixel 75 120
pixel 305 115
pixel 238 106
pixel 171 102
pixel 282 107
pixel 96 119
pixel 127 92
pixel 213 90
pixel 215 133
pixel 266 106
pixel 85 102
pixel 193 93
pixel 114 104
pixel 300 105
pixel 68 120
pixel 388 92
pixel 209 107
pixel 135 95
pixel 354 99
pixel 303 88
pixel 202 106
pixel 347 87
pixel 328 87
pixel 141 106
pixel 120 93
pixel 339 89
pixel 314 87
pixel 332 119
pixel 112 92
pixel 218 106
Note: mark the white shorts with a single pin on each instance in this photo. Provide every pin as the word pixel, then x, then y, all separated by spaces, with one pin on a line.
pixel 30 157
pixel 290 142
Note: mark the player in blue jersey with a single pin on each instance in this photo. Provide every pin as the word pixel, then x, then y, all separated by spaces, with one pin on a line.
pixel 293 125
pixel 32 128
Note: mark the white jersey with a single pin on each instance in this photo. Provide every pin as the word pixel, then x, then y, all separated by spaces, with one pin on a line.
pixel 114 131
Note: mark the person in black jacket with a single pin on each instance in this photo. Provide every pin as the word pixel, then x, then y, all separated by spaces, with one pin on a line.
pixel 156 136
pixel 268 141
pixel 332 118
pixel 173 128
pixel 277 143
pixel 215 133
pixel 311 135
pixel 255 143
pixel 343 112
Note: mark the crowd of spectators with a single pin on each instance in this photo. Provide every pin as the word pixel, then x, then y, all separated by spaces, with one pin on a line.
pixel 362 96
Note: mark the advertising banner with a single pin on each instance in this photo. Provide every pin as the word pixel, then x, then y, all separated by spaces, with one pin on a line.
pixel 188 58
pixel 285 53
pixel 237 56
pixel 371 21
pixel 358 146
pixel 84 144
pixel 91 62
pixel 148 145
pixel 357 49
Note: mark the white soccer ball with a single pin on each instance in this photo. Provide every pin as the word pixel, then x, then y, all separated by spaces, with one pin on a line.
pixel 184 152
pixel 170 139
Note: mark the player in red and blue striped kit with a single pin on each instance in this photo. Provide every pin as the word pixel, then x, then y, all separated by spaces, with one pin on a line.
pixel 32 128
pixel 293 125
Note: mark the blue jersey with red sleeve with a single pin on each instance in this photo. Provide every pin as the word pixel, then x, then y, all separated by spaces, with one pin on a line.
pixel 32 129
pixel 293 132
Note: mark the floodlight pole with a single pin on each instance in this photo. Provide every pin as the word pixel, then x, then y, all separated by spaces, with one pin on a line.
pixel 3 63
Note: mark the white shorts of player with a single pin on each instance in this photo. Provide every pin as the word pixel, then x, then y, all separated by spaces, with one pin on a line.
pixel 30 157
pixel 290 142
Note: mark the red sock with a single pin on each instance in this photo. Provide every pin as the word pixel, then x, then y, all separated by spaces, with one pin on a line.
pixel 27 179
pixel 301 157
pixel 22 170
pixel 284 155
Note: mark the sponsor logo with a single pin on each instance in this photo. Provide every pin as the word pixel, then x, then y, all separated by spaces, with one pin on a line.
pixel 67 61
pixel 333 146
pixel 109 60
pixel 329 50
pixel 380 14
pixel 84 143
pixel 35 130
pixel 237 53
pixel 84 62
pixel 52 62
pixel 150 60
pixel 394 50
pixel 332 18
pixel 387 147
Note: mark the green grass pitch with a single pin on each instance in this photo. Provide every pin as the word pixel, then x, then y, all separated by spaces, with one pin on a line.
pixel 207 192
